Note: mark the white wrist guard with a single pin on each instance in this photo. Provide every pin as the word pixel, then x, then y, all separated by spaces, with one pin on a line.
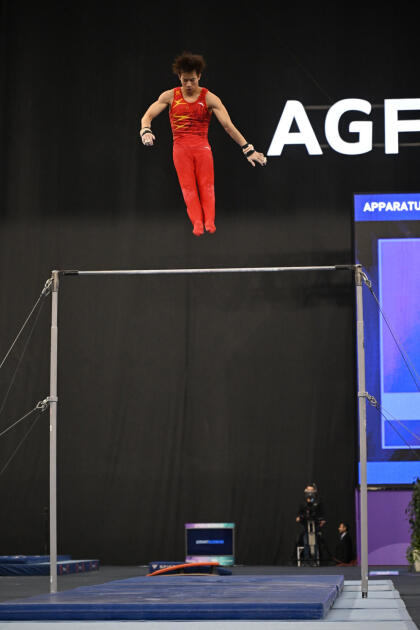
pixel 248 150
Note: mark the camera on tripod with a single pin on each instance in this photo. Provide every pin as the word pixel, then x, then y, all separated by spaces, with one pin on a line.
pixel 311 494
pixel 312 520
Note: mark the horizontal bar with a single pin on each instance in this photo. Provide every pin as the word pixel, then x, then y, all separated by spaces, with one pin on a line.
pixel 154 272
pixel 321 107
pixel 380 144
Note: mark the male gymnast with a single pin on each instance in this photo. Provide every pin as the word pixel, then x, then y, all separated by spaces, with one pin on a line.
pixel 190 110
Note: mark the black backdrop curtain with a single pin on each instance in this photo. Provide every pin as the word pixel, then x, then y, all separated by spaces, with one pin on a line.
pixel 181 399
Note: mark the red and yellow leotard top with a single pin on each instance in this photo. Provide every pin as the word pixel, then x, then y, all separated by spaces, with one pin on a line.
pixel 189 119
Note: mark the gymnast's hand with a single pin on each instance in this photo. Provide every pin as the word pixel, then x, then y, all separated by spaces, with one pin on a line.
pixel 253 156
pixel 257 157
pixel 147 137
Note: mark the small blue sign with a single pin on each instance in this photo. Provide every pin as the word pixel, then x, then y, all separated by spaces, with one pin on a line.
pixel 387 207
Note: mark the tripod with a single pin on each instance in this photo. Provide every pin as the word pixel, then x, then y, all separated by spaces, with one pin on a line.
pixel 312 542
pixel 311 547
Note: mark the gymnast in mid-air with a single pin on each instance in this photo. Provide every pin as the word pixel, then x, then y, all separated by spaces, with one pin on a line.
pixel 190 110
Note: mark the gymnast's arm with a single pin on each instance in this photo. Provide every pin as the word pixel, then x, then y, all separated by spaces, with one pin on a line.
pixel 154 110
pixel 214 104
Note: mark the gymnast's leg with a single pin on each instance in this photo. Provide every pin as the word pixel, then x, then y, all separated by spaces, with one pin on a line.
pixel 184 164
pixel 205 180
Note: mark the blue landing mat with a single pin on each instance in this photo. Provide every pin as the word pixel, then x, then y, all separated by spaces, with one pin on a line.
pixel 180 597
pixel 28 559
pixel 35 565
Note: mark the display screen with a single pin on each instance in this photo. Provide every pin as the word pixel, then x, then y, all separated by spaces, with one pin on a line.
pixel 210 542
pixel 387 245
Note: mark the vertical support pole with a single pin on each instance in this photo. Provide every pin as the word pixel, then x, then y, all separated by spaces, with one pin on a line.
pixel 362 431
pixel 53 433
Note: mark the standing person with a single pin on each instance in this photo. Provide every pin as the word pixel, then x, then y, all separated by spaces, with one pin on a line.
pixel 190 110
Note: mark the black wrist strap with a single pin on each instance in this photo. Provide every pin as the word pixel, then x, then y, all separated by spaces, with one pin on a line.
pixel 245 146
pixel 145 130
pixel 248 153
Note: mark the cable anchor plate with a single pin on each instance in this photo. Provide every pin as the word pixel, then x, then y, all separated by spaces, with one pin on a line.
pixel 43 404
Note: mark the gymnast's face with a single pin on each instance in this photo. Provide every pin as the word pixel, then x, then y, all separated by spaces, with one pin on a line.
pixel 189 82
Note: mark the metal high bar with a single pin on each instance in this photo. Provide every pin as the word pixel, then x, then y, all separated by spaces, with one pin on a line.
pixel 359 277
pixel 158 272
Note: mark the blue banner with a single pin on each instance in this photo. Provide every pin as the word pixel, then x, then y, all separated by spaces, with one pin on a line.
pixel 387 207
pixel 394 473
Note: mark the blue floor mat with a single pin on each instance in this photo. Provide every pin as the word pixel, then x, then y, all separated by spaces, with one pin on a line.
pixel 180 597
pixel 35 565
pixel 29 559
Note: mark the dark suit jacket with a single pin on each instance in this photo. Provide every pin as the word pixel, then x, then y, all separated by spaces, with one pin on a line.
pixel 344 549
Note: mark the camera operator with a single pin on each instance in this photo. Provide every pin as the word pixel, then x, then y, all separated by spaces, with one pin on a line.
pixel 311 517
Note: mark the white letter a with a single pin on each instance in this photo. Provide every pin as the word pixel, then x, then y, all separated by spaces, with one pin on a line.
pixel 294 110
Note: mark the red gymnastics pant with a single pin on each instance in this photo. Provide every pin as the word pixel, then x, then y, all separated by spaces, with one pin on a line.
pixel 193 161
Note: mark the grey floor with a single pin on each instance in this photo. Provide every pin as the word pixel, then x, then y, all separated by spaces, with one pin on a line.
pixel 393 601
